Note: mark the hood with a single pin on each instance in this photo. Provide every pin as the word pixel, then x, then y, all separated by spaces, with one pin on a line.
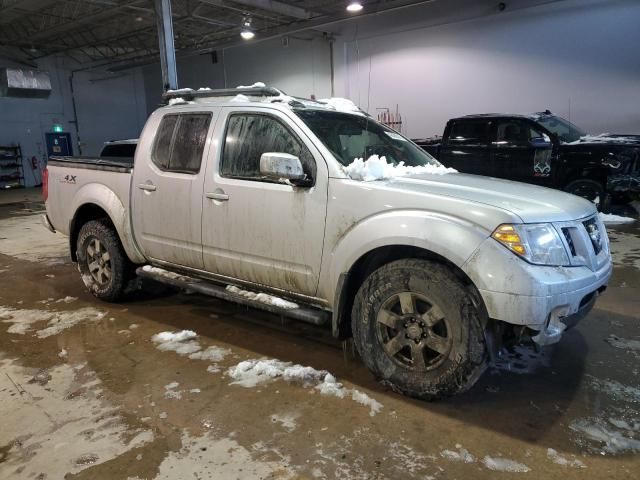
pixel 531 203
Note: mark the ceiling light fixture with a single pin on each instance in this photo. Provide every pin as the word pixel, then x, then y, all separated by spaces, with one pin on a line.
pixel 354 7
pixel 247 32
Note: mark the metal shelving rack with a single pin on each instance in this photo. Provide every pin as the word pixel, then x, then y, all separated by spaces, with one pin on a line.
pixel 11 168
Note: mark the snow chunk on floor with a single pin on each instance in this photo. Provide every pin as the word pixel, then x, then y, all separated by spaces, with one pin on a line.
pixel 623 343
pixel 461 455
pixel 262 297
pixel 377 168
pixel 558 459
pixel 185 343
pixel 251 373
pixel 171 392
pixel 22 320
pixel 500 464
pixel 610 440
pixel 611 219
pixel 225 458
pixel 287 421
pixel 255 85
pixel 67 299
pixel 341 105
pixel 615 389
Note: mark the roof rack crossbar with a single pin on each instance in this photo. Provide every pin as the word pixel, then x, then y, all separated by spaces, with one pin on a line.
pixel 190 94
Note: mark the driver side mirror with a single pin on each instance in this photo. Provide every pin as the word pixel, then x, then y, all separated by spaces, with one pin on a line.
pixel 277 166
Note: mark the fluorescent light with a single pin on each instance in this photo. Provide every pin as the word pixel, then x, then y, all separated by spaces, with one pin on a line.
pixel 354 7
pixel 247 34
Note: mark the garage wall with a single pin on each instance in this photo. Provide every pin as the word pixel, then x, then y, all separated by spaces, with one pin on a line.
pixel 301 68
pixel 577 58
pixel 108 107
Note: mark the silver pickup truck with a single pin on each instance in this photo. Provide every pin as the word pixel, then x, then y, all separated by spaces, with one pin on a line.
pixel 316 211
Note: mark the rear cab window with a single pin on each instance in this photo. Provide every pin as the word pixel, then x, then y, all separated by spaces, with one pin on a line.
pixel 179 143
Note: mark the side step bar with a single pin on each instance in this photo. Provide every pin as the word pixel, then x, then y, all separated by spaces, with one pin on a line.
pixel 301 313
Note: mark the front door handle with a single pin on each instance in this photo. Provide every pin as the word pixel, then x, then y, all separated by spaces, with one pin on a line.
pixel 220 196
pixel 149 187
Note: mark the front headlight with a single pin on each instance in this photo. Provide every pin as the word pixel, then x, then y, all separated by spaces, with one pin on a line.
pixel 537 243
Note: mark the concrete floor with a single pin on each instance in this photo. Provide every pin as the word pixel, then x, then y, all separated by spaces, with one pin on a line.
pixel 86 393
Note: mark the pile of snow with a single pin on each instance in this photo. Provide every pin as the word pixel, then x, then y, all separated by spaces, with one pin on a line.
pixel 167 274
pixel 177 101
pixel 185 343
pixel 262 297
pixel 341 105
pixel 377 168
pixel 611 219
pixel 604 138
pixel 240 98
pixel 251 373
pixel 558 459
pixel 255 85
pixel 500 464
pixel 181 90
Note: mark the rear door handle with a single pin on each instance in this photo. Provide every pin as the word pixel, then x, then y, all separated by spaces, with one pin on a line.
pixel 147 187
pixel 221 197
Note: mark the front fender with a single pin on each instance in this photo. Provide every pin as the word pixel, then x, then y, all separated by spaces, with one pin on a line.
pixel 105 198
pixel 450 237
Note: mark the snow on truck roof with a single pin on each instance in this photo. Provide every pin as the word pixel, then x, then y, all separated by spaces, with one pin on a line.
pixel 257 93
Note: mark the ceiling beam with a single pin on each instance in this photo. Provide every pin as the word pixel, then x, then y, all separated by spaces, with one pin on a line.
pixel 279 7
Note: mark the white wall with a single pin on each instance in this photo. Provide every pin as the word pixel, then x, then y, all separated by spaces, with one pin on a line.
pixel 301 69
pixel 112 107
pixel 580 59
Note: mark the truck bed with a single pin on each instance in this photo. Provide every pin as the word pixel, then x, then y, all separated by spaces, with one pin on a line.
pixel 94 163
pixel 76 181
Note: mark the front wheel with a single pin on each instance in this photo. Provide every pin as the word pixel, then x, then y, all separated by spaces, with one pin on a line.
pixel 592 190
pixel 102 261
pixel 417 329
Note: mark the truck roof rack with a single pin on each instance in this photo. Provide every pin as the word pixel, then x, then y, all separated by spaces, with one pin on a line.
pixel 191 94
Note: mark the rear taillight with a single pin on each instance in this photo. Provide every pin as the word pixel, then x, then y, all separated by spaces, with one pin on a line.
pixel 45 184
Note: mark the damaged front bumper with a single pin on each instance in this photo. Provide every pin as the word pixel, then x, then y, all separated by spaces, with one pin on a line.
pixel 545 300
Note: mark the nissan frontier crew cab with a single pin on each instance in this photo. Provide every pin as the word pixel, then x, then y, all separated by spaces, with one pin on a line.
pixel 314 210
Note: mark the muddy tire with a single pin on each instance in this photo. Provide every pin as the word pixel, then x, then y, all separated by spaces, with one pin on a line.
pixel 416 328
pixel 101 260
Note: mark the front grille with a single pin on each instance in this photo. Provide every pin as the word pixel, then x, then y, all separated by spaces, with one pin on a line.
pixel 567 235
pixel 595 234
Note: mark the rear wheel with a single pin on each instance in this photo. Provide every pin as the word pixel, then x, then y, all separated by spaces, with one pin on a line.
pixel 102 261
pixel 417 330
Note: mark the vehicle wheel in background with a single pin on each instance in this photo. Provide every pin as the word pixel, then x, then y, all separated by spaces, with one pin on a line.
pixel 101 260
pixel 417 329
pixel 589 189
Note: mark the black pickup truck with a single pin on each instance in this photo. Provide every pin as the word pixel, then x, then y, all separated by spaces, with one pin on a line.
pixel 544 149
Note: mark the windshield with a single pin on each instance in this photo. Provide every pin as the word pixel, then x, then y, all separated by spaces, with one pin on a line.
pixel 350 136
pixel 566 131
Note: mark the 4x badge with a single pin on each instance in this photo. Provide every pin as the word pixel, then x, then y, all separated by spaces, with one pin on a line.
pixel 68 179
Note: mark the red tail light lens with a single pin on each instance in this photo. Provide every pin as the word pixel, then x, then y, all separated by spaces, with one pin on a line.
pixel 45 184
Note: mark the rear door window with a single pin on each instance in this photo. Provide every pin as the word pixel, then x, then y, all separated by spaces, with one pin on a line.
pixel 180 142
pixel 469 132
